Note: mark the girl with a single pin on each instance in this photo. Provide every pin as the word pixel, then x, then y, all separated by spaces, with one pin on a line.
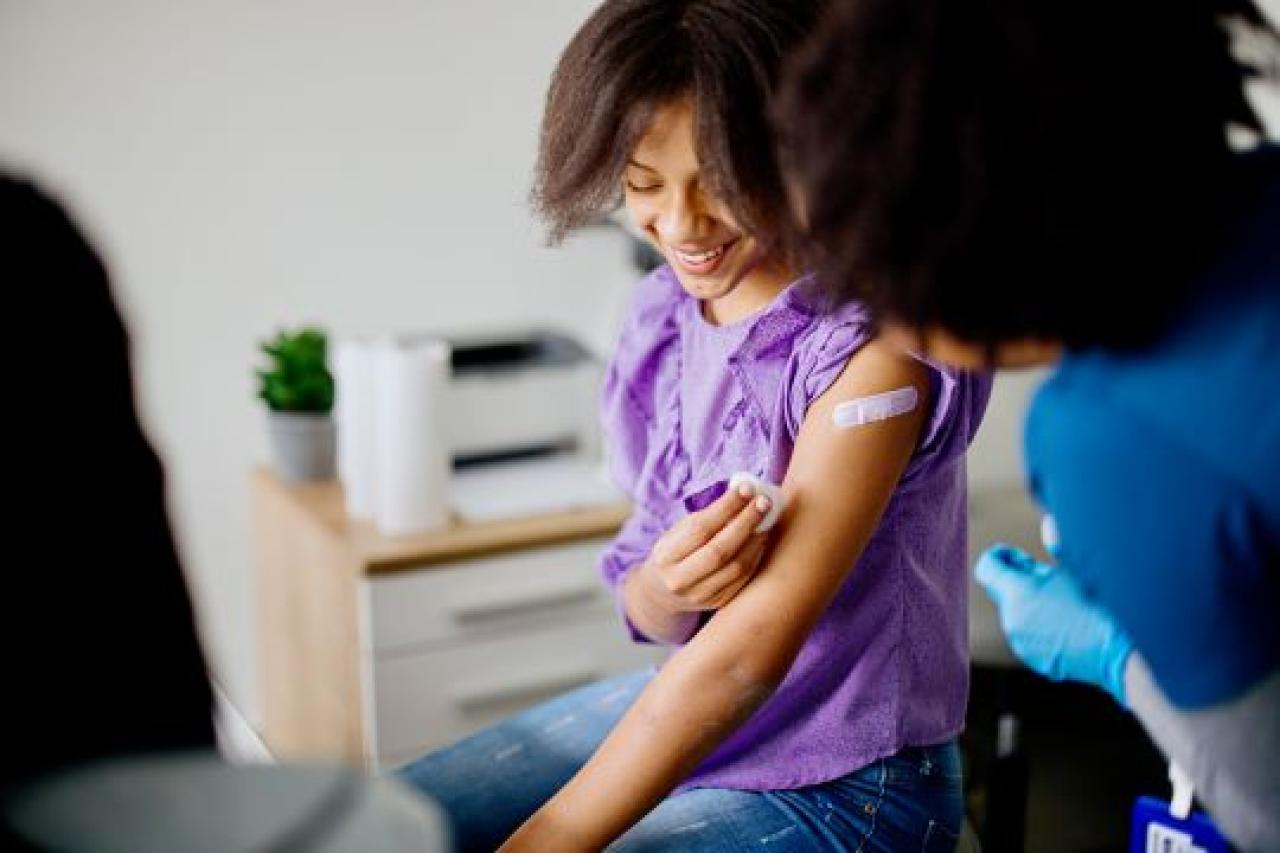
pixel 820 674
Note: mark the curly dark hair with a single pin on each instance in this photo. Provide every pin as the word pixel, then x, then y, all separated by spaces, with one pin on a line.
pixel 633 56
pixel 1015 168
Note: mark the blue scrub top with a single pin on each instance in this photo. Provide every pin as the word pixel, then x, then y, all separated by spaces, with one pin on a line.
pixel 1162 470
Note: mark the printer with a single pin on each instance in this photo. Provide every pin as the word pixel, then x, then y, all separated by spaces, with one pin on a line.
pixel 522 395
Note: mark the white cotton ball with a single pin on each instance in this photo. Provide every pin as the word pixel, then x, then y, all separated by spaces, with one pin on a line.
pixel 777 503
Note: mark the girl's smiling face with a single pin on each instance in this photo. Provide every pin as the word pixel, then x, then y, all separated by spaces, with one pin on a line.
pixel 668 197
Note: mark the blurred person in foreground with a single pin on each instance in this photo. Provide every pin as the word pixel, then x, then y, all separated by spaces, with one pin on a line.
pixel 107 691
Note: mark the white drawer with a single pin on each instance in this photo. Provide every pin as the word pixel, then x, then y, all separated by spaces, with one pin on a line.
pixel 477 598
pixel 434 698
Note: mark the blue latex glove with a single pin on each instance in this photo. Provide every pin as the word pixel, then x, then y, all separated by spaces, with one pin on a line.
pixel 1049 624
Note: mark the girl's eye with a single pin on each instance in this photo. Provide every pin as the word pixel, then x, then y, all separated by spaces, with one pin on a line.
pixel 642 188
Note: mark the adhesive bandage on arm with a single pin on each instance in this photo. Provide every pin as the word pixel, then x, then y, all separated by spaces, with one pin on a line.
pixel 877 407
pixel 761 487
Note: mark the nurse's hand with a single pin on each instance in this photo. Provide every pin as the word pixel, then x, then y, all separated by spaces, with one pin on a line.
pixel 708 556
pixel 1049 624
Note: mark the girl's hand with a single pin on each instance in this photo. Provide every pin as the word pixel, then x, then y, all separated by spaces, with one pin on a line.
pixel 706 558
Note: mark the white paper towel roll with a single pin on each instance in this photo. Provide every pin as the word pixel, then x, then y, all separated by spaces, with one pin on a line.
pixel 413 467
pixel 355 409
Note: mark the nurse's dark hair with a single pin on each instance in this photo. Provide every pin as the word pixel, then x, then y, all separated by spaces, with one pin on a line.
pixel 633 56
pixel 1004 169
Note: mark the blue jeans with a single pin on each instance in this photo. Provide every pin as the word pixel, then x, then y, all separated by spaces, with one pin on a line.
pixel 491 782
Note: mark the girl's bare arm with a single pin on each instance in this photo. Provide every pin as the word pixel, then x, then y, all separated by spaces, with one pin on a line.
pixel 838 485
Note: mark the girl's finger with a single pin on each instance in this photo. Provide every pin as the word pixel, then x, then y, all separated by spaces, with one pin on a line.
pixel 729 593
pixel 697 529
pixel 722 547
pixel 736 571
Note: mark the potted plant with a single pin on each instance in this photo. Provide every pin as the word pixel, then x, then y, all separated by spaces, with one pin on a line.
pixel 298 390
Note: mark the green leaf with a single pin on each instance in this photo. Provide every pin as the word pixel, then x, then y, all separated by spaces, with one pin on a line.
pixel 297 378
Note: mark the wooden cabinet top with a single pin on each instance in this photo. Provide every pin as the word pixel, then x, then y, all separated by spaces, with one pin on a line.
pixel 320 505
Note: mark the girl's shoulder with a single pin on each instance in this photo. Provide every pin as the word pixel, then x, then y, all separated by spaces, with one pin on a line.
pixel 643 374
pixel 832 327
pixel 646 352
pixel 823 337
pixel 650 332
pixel 835 333
pixel 654 305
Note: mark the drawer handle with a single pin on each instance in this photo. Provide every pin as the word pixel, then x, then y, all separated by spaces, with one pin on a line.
pixel 493 606
pixel 515 690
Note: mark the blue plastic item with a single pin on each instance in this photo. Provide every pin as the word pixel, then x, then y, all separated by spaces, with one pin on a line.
pixel 1156 830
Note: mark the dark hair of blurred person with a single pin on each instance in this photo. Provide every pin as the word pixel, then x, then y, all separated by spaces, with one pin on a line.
pixel 101 657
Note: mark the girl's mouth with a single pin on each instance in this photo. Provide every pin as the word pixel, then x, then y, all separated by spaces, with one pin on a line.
pixel 704 262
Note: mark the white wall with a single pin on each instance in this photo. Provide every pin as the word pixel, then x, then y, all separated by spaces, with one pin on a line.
pixel 248 163
pixel 995 460
pixel 244 164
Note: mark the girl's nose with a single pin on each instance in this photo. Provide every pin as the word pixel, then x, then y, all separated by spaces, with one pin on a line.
pixel 679 220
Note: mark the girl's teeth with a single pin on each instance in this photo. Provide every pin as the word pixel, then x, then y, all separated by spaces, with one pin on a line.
pixel 702 257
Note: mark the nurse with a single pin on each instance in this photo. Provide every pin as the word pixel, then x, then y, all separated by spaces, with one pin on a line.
pixel 1023 183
